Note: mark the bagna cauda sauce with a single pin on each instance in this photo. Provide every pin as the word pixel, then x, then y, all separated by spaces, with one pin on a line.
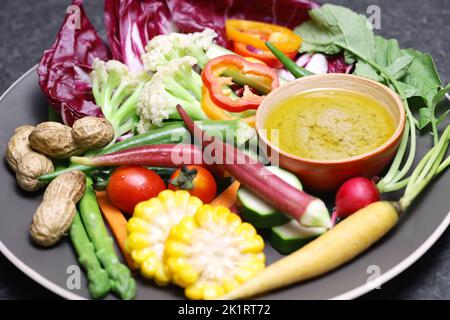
pixel 328 124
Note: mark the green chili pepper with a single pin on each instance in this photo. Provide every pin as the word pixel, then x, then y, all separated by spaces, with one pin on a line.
pixel 290 65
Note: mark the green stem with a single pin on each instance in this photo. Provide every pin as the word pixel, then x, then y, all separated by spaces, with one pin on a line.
pixel 395 175
pixel 383 184
pixel 434 129
pixel 118 96
pixel 426 170
pixel 444 165
pixel 127 109
pixel 391 187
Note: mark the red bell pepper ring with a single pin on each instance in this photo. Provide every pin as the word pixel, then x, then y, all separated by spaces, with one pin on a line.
pixel 222 72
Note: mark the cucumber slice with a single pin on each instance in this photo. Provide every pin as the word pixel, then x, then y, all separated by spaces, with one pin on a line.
pixel 258 211
pixel 292 236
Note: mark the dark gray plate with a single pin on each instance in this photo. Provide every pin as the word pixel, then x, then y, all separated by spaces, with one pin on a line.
pixel 54 268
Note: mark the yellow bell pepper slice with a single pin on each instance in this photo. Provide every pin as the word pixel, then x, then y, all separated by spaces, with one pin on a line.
pixel 214 112
pixel 255 34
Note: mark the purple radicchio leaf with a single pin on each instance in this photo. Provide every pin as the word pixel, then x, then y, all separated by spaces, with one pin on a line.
pixel 64 68
pixel 130 24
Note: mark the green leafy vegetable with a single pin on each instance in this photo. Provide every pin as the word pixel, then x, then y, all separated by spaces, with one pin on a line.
pixel 333 29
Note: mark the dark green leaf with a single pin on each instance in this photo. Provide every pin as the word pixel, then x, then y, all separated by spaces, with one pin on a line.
pixel 365 70
pixel 332 28
pixel 316 39
pixel 399 67
pixel 422 75
pixel 425 117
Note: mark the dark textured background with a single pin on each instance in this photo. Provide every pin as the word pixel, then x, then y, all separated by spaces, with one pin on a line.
pixel 27 27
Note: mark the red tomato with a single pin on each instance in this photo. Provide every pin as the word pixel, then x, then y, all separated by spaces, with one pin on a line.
pixel 195 179
pixel 130 185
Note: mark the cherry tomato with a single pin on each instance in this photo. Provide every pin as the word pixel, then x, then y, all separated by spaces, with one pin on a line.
pixel 196 180
pixel 130 185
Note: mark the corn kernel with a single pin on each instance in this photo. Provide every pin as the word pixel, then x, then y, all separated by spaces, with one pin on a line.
pixel 148 267
pixel 212 290
pixel 140 255
pixel 230 284
pixel 144 211
pixel 167 200
pixel 194 204
pixel 233 221
pixel 175 264
pixel 245 230
pixel 252 245
pixel 243 275
pixel 204 215
pixel 261 257
pixel 138 240
pixel 182 198
pixel 155 205
pixel 188 223
pixel 186 277
pixel 221 215
pixel 137 225
pixel 194 292
pixel 162 276
pixel 176 248
pixel 180 233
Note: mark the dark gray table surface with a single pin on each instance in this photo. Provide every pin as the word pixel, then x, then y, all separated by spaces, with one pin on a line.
pixel 28 27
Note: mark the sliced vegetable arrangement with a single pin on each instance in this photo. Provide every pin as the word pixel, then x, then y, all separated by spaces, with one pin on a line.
pixel 185 200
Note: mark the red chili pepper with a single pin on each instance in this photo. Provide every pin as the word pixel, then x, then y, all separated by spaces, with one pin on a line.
pixel 223 72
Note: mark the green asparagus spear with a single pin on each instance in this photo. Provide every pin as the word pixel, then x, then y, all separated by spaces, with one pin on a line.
pixel 98 278
pixel 121 280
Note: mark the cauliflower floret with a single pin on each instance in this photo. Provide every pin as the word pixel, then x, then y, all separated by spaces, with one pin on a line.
pixel 175 83
pixel 164 48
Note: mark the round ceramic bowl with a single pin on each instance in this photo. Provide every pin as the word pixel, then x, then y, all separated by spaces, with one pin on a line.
pixel 327 176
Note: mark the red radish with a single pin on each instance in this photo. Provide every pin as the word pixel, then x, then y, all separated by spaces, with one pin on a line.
pixel 296 204
pixel 353 195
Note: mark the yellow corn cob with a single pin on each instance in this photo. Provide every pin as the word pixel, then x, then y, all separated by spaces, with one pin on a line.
pixel 150 226
pixel 213 252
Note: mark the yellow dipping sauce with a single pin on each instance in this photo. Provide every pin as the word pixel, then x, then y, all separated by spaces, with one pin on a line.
pixel 329 124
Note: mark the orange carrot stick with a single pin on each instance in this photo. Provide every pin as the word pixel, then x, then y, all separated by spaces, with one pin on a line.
pixel 117 224
pixel 228 197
